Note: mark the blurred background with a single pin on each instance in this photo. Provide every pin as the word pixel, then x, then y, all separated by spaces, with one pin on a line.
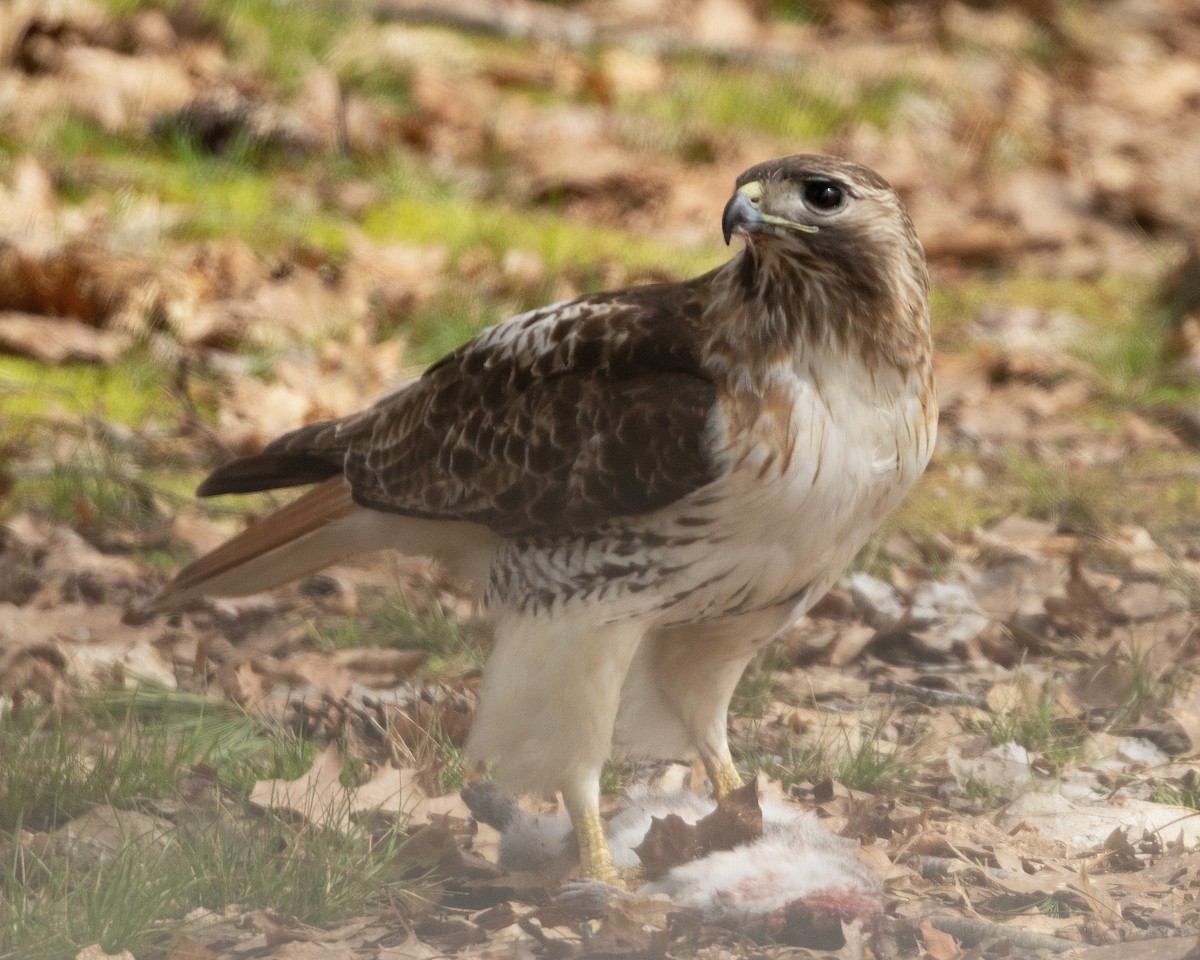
pixel 221 220
pixel 228 218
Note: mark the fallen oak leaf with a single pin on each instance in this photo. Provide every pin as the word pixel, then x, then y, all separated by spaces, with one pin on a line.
pixel 379 668
pixel 320 797
pixel 632 925
pixel 669 842
pixel 736 822
pixel 450 933
pixel 672 841
pixel 971 931
pixel 316 795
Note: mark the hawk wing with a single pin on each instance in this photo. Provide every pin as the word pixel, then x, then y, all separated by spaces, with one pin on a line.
pixel 545 425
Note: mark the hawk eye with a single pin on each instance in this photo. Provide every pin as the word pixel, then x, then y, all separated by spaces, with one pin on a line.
pixel 824 195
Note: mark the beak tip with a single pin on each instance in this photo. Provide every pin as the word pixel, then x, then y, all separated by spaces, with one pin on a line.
pixel 731 217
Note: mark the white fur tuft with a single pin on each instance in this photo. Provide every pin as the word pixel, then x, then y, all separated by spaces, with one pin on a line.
pixel 795 861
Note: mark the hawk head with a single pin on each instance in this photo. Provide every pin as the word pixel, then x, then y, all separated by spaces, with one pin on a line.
pixel 798 198
pixel 830 243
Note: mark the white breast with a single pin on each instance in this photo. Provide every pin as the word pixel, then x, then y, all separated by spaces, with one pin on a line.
pixel 789 525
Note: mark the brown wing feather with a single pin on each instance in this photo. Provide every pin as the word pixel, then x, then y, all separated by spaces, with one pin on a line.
pixel 548 424
pixel 269 471
pixel 563 455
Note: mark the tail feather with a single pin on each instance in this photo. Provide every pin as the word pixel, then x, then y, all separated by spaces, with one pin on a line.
pixel 311 532
pixel 269 471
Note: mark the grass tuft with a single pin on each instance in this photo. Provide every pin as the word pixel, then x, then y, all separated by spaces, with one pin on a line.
pixel 1184 792
pixel 125 889
pixel 414 624
pixel 1036 719
pixel 871 759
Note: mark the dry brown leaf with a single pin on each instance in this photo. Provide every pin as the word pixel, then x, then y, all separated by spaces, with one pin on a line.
pixel 83 641
pixel 410 725
pixel 58 340
pixel 29 208
pixel 385 790
pixel 94 952
pixel 37 669
pixel 669 842
pixel 849 642
pixel 349 374
pixel 978 242
pixel 939 945
pixel 121 92
pixel 183 947
pixel 412 948
pixel 330 674
pixel 103 831
pixel 632 926
pixel 1083 825
pixel 317 670
pixel 1174 948
pixel 379 668
pixel 736 822
pixel 1187 719
pixel 1140 600
pixel 1105 908
pixel 66 552
pixel 725 23
pixel 318 794
pixel 83 280
pixel 1138 550
pixel 308 950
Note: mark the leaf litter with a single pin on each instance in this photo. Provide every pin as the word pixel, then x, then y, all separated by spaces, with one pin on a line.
pixel 983 741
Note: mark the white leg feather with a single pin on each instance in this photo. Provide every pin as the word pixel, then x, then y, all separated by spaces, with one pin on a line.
pixel 551 689
pixel 677 694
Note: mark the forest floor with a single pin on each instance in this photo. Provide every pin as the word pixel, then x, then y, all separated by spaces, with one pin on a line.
pixel 219 221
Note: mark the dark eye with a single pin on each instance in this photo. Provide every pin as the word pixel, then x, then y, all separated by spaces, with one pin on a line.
pixel 824 195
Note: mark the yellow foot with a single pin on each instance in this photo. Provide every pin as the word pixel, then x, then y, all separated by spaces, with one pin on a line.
pixel 724 777
pixel 595 858
pixel 626 879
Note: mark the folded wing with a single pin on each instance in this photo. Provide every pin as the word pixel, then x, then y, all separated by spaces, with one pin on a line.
pixel 547 425
pixel 544 426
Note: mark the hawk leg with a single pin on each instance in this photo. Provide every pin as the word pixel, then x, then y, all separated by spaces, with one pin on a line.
pixel 595 857
pixel 722 773
pixel 550 695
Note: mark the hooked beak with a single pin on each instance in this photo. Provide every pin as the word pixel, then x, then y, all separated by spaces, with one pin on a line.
pixel 744 212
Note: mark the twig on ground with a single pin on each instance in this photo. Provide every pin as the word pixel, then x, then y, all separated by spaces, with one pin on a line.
pixel 969 932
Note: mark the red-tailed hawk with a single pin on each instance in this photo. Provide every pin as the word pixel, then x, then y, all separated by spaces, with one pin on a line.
pixel 647 485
